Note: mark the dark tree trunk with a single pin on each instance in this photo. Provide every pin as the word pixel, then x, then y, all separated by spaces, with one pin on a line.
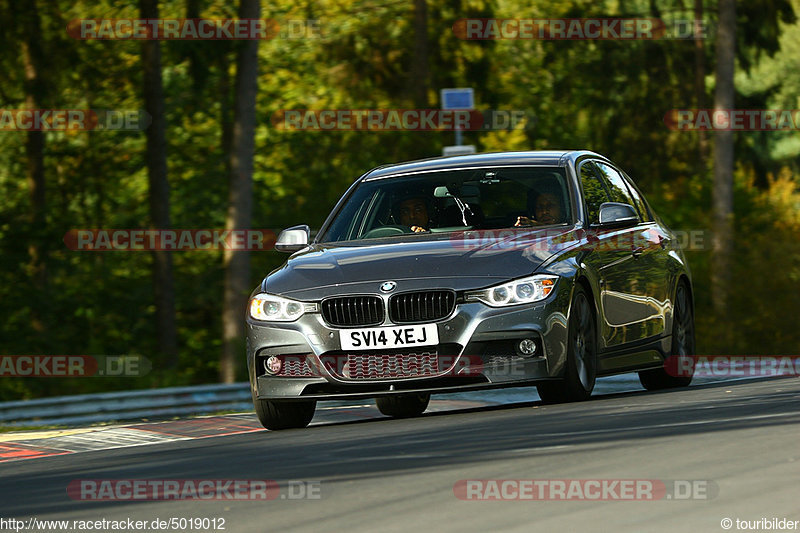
pixel 700 83
pixel 35 95
pixel 723 162
pixel 240 203
pixel 156 159
pixel 418 73
pixel 226 118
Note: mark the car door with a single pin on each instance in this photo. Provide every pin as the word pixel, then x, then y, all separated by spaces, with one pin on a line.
pixel 608 258
pixel 656 240
pixel 635 290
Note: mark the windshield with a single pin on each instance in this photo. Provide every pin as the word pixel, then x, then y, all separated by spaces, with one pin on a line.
pixel 437 202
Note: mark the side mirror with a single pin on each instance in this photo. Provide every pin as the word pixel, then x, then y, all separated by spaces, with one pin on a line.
pixel 293 239
pixel 614 214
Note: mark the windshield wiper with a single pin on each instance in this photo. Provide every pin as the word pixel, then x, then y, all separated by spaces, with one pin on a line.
pixel 464 207
pixel 454 191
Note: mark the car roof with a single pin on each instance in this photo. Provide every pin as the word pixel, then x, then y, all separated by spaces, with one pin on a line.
pixel 551 157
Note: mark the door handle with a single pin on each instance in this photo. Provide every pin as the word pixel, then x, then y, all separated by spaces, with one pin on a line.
pixel 636 252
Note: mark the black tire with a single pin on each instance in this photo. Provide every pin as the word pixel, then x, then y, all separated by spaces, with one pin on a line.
pixel 284 415
pixel 682 345
pixel 581 371
pixel 403 405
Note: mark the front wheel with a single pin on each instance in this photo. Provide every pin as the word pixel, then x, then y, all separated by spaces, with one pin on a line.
pixel 403 405
pixel 284 415
pixel 581 371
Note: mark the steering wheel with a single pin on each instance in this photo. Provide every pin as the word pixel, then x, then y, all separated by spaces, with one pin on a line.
pixel 387 231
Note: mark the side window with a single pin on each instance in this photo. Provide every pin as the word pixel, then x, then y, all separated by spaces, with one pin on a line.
pixel 593 192
pixel 617 189
pixel 638 199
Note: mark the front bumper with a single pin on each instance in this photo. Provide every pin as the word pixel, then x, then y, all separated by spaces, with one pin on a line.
pixel 475 336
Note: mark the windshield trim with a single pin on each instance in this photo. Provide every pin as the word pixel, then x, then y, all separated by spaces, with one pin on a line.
pixel 452 169
pixel 321 237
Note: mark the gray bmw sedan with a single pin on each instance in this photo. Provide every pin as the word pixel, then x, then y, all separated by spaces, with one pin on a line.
pixel 471 272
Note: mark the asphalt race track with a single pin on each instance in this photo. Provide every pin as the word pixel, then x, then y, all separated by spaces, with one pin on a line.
pixel 737 441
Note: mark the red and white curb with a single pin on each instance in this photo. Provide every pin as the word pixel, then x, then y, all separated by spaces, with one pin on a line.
pixel 37 444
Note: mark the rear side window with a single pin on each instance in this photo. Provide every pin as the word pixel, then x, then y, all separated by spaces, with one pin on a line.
pixel 594 193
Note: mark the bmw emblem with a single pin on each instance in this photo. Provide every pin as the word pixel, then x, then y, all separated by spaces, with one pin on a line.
pixel 388 286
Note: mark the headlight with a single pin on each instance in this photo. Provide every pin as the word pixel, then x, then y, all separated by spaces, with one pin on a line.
pixel 519 291
pixel 276 309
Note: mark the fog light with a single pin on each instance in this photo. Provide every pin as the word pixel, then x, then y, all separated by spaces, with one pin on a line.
pixel 272 365
pixel 527 347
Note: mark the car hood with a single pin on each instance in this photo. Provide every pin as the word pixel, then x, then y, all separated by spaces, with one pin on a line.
pixel 462 260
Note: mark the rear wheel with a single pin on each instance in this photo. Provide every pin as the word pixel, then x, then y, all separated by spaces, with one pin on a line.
pixel 581 371
pixel 284 415
pixel 682 345
pixel 403 405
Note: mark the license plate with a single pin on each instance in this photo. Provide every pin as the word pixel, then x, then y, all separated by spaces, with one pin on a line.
pixel 391 337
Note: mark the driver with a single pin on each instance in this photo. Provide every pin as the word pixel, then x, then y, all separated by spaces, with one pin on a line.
pixel 546 210
pixel 413 212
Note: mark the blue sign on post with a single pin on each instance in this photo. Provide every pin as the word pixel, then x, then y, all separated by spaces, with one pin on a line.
pixel 463 98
